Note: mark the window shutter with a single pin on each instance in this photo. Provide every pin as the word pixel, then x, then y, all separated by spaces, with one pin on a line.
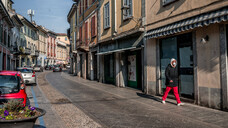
pixel 86 33
pixel 80 8
pixel 86 4
pixel 80 34
pixel 93 31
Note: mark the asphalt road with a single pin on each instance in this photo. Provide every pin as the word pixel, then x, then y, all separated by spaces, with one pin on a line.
pixel 121 107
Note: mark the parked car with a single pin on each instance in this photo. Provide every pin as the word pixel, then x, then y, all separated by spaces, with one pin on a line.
pixel 12 87
pixel 28 75
pixel 57 68
pixel 38 68
pixel 47 67
pixel 68 66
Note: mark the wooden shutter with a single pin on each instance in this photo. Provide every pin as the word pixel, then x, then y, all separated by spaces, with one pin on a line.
pixel 80 11
pixel 86 4
pixel 93 27
pixel 80 34
pixel 86 33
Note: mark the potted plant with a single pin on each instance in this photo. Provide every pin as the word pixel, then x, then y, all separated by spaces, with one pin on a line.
pixel 15 115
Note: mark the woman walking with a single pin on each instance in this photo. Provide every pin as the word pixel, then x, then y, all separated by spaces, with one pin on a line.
pixel 171 74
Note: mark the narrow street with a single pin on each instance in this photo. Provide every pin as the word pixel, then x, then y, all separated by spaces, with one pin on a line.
pixel 100 105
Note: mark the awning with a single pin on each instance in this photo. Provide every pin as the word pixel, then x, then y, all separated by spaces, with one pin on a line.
pixel 118 50
pixel 135 45
pixel 201 20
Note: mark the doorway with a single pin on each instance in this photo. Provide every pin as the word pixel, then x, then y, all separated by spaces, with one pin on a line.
pixel 81 62
pixel 109 69
pixel 134 69
pixel 94 65
pixel 180 48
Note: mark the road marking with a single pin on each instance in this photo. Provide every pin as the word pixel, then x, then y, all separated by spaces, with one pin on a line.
pixel 36 105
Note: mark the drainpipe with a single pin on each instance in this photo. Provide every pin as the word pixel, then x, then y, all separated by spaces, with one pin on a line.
pixel 115 17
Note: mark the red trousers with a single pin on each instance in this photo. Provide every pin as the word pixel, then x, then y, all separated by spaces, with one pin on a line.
pixel 175 91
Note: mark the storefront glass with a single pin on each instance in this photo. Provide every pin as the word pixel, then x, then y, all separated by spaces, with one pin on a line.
pixel 180 48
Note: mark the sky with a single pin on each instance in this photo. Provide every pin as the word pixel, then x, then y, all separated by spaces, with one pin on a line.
pixel 52 14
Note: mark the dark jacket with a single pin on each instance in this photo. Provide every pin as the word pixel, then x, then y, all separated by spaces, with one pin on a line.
pixel 171 74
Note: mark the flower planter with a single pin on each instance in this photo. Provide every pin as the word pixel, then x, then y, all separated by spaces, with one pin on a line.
pixel 21 123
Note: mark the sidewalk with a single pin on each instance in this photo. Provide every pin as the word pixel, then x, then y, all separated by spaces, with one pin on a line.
pixel 190 112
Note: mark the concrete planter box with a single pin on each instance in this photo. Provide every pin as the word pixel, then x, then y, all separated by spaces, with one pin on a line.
pixel 22 123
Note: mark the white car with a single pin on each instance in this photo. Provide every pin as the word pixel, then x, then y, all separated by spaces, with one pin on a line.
pixel 28 75
pixel 67 66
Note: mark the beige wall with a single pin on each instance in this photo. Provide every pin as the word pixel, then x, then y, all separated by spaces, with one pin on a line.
pixel 150 67
pixel 208 55
pixel 158 15
pixel 127 25
pixel 119 25
pixel 42 42
pixel 62 39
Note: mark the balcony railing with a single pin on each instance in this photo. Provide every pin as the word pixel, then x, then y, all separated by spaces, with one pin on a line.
pixel 27 51
pixel 82 46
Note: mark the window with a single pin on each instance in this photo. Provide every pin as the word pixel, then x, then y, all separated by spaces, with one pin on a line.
pixel 165 2
pixel 86 4
pixel 9 41
pixel 127 9
pixel 5 37
pixel 93 27
pixel 106 16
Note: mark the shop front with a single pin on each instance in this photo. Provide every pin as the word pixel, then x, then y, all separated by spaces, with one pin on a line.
pixel 121 62
pixel 181 48
pixel 199 45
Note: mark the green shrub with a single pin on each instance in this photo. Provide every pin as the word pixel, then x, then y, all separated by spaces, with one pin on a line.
pixel 13 106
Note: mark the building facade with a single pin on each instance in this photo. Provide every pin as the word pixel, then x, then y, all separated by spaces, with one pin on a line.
pixel 16 40
pixel 121 43
pixel 6 25
pixel 42 45
pixel 195 33
pixel 29 40
pixel 51 48
pixel 62 49
pixel 72 19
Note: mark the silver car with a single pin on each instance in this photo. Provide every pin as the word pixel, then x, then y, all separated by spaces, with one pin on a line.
pixel 28 75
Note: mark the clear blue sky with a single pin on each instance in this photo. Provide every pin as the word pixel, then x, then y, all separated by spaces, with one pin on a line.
pixel 51 14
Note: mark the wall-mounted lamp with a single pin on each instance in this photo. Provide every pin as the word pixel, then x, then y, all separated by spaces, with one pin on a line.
pixel 205 39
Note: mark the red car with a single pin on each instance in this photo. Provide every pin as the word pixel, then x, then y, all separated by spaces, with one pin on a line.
pixel 12 87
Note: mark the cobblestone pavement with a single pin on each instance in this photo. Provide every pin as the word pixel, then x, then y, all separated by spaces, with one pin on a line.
pixel 71 116
pixel 72 102
pixel 125 107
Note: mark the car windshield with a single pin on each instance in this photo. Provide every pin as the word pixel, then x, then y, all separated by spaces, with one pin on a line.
pixel 24 70
pixel 9 84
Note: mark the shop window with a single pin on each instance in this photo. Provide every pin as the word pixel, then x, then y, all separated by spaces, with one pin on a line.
pixel 106 16
pixel 127 9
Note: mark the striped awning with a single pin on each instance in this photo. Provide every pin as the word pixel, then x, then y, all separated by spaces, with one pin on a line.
pixel 201 20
